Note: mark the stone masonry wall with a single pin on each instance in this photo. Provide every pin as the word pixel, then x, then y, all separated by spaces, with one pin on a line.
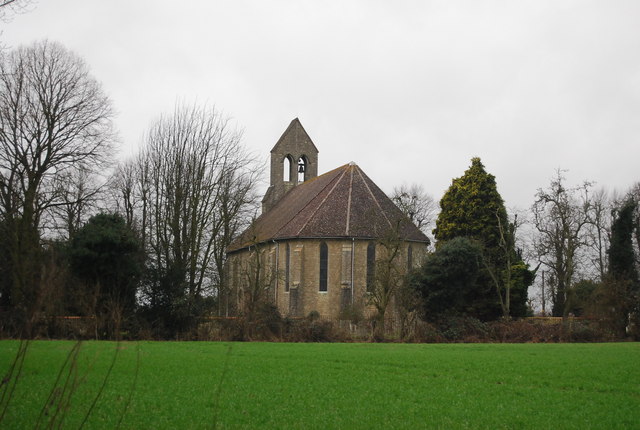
pixel 304 296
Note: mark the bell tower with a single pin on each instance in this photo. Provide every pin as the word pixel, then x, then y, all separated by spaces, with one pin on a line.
pixel 294 159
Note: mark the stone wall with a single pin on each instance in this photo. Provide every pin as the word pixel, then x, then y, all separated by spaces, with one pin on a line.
pixel 347 274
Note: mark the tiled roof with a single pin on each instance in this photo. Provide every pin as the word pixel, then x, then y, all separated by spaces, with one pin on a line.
pixel 342 203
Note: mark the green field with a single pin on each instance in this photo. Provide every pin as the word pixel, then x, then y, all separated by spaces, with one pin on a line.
pixel 349 386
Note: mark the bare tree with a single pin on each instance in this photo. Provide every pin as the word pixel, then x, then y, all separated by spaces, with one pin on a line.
pixel 634 194
pixel 237 206
pixel 187 191
pixel 8 8
pixel 79 194
pixel 419 206
pixel 502 276
pixel 560 216
pixel 390 273
pixel 54 119
pixel 598 231
pixel 257 276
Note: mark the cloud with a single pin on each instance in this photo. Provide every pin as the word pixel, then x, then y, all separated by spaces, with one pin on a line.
pixel 410 90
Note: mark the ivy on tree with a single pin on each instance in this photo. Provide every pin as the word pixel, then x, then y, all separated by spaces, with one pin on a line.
pixel 623 275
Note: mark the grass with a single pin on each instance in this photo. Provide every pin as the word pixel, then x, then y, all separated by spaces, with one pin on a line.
pixel 348 386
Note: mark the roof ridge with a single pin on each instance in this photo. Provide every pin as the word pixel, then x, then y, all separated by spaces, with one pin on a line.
pixel 348 224
pixel 374 198
pixel 323 200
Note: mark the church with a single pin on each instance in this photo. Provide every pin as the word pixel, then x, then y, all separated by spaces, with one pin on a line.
pixel 316 244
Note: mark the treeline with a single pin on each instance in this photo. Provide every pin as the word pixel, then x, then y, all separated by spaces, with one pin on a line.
pixel 583 244
pixel 138 247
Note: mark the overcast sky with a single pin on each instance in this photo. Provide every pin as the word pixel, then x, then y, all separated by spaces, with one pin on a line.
pixel 409 90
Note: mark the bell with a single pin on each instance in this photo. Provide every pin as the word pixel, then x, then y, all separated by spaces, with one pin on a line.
pixel 301 168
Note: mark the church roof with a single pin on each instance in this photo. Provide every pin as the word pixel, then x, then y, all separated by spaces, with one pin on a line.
pixel 297 133
pixel 342 203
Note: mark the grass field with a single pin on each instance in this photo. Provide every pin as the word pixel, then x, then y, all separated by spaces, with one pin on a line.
pixel 317 386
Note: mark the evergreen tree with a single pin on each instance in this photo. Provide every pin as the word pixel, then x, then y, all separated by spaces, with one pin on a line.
pixel 623 281
pixel 621 254
pixel 106 257
pixel 447 280
pixel 473 208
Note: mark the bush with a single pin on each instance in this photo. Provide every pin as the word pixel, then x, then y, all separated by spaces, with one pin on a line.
pixel 462 329
pixel 519 331
pixel 423 332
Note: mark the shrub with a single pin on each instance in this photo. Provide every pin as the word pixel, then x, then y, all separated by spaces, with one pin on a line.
pixel 462 329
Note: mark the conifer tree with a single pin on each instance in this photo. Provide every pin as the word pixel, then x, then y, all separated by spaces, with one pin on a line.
pixel 472 207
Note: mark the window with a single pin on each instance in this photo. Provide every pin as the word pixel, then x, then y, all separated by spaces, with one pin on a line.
pixel 273 270
pixel 346 266
pixel 287 267
pixel 301 168
pixel 296 266
pixel 324 265
pixel 371 266
pixel 409 258
pixel 286 174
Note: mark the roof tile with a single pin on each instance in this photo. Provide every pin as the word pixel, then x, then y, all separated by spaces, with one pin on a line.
pixel 344 202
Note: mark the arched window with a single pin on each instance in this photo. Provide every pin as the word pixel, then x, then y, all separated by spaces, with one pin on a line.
pixel 286 173
pixel 324 266
pixel 287 266
pixel 371 266
pixel 302 168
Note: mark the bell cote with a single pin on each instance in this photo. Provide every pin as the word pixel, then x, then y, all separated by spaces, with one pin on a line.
pixel 294 159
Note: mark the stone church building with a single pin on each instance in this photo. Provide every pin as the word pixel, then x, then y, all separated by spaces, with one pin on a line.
pixel 317 242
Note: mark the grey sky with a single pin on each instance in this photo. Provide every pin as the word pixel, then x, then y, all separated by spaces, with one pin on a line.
pixel 409 90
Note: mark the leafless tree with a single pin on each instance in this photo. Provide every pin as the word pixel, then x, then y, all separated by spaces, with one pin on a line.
pixel 54 119
pixel 502 274
pixel 561 215
pixel 634 194
pixel 187 192
pixel 80 195
pixel 390 273
pixel 419 206
pixel 237 206
pixel 598 231
pixel 256 282
pixel 8 8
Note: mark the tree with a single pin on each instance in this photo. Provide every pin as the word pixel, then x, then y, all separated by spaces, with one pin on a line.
pixel 447 280
pixel 54 119
pixel 417 205
pixel 621 254
pixel 390 273
pixel 634 194
pixel 597 232
pixel 107 257
pixel 511 275
pixel 255 283
pixel 187 192
pixel 561 215
pixel 473 208
pixel 623 273
pixel 11 7
pixel 79 195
